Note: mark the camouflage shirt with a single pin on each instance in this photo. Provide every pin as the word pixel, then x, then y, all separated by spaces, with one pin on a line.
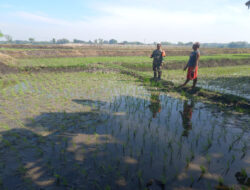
pixel 157 55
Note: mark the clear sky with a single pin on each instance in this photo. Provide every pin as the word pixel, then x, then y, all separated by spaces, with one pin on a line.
pixel 132 20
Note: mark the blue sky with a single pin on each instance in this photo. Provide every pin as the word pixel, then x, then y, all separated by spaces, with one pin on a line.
pixel 137 20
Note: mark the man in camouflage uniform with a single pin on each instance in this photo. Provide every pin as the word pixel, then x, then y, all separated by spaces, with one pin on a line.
pixel 157 55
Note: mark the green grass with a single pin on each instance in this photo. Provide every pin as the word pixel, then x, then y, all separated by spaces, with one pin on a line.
pixel 222 79
pixel 211 72
pixel 137 61
pixel 78 61
pixel 226 80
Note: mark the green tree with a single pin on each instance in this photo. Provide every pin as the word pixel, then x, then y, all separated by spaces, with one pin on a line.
pixel 180 43
pixel 1 34
pixel 32 40
pixel 53 40
pixel 62 41
pixel 8 38
pixel 76 41
pixel 238 45
pixel 189 44
pixel 112 41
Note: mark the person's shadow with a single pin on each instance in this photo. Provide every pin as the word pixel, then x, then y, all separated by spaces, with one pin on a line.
pixel 186 116
pixel 71 151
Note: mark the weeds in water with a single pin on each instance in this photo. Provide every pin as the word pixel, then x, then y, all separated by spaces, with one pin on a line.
pixel 58 179
pixel 208 158
pixel 107 187
pixel 203 169
pixel 187 162
pixel 221 181
pixel 243 173
pixel 22 170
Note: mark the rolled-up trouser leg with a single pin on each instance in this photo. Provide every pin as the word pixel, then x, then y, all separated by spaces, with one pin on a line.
pixel 159 71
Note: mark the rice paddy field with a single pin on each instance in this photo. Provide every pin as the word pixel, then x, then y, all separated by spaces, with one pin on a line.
pixel 92 123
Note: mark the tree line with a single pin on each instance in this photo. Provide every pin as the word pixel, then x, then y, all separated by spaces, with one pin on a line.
pixel 100 41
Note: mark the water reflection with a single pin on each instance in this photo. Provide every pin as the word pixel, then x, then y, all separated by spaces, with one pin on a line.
pixel 155 103
pixel 186 115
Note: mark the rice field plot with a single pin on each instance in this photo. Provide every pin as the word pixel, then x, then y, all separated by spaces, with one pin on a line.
pixel 227 80
pixel 137 62
pixel 107 131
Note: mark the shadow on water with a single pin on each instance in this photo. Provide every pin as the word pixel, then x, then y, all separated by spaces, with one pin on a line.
pixel 128 143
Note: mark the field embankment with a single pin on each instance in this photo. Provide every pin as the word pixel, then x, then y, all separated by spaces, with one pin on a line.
pixel 39 51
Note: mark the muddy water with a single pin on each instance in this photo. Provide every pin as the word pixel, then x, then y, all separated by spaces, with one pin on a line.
pixel 115 134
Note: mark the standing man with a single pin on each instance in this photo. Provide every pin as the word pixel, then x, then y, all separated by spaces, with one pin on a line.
pixel 158 55
pixel 192 65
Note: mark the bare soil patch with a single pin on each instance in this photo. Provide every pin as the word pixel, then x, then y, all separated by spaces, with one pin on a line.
pixel 4 69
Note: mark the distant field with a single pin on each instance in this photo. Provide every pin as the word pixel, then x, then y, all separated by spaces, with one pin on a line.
pixel 54 51
pixel 136 61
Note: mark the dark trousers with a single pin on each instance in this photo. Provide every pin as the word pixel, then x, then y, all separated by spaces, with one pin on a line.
pixel 157 68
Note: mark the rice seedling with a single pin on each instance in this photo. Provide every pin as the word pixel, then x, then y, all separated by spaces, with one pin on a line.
pixel 21 170
pixel 221 181
pixel 58 179
pixel 243 173
pixel 107 187
pixel 203 169
pixel 208 158
pixel 187 162
pixel 208 145
pixel 244 150
pixel 192 181
pixel 139 176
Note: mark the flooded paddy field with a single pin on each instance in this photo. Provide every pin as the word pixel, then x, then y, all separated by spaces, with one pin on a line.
pixel 109 131
pixel 227 80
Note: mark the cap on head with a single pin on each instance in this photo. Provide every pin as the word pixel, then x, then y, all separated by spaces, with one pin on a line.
pixel 158 45
pixel 196 44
